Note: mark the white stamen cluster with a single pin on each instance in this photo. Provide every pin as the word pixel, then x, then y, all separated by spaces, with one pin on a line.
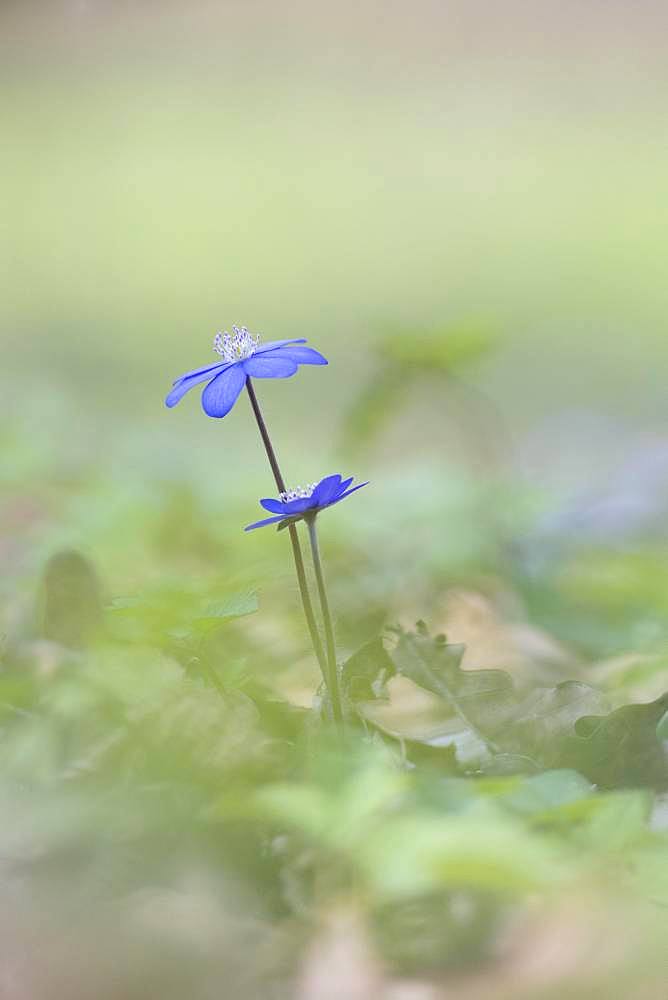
pixel 301 493
pixel 237 345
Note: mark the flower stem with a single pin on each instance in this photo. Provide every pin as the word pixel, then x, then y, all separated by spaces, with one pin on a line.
pixel 294 538
pixel 333 673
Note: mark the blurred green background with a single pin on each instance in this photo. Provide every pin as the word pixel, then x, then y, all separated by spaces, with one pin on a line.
pixel 463 206
pixel 465 174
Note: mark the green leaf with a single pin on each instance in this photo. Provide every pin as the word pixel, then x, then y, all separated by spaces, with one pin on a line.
pixel 541 793
pixel 662 728
pixel 234 607
pixel 420 853
pixel 217 614
pixel 559 727
pixel 435 666
pixel 543 724
pixel 618 821
pixel 365 674
pixel 623 748
pixel 516 730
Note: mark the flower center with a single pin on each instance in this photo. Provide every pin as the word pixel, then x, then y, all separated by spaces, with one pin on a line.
pixel 301 493
pixel 236 346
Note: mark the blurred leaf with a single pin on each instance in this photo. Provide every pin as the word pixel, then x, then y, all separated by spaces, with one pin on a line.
pixel 433 664
pixel 541 793
pixel 70 600
pixel 304 807
pixel 443 349
pixel 623 748
pixel 120 604
pixel 237 606
pixel 176 614
pixel 617 821
pixel 650 872
pixel 442 757
pixel 662 728
pixel 543 723
pixel 340 814
pixel 405 356
pixel 438 930
pixel 234 606
pixel 539 726
pixel 376 403
pixel 364 675
pixel 488 851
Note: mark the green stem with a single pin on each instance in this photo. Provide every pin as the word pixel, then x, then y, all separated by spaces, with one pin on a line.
pixel 333 672
pixel 294 538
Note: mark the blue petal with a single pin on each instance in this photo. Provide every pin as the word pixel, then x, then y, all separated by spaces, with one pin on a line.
pixel 261 524
pixel 221 394
pixel 275 506
pixel 298 505
pixel 326 490
pixel 347 493
pixel 270 366
pixel 271 345
pixel 287 507
pixel 217 366
pixel 304 355
pixel 345 484
pixel 186 383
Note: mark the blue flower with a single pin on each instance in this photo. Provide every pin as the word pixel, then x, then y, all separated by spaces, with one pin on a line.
pixel 242 356
pixel 306 501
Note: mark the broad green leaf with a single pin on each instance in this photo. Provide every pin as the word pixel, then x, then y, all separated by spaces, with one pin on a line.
pixel 541 793
pixel 535 727
pixel 435 666
pixel 623 748
pixel 618 820
pixel 217 614
pixel 491 852
pixel 543 723
pixel 559 727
